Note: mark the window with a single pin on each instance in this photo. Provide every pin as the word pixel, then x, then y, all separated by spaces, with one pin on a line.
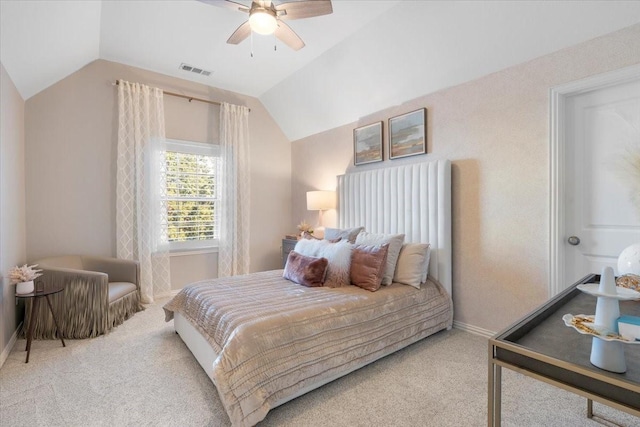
pixel 192 197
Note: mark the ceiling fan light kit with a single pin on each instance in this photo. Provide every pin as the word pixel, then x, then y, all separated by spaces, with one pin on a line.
pixel 265 18
pixel 263 21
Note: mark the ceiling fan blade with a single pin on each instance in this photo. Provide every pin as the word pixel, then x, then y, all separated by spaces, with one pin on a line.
pixel 227 4
pixel 304 9
pixel 240 34
pixel 288 36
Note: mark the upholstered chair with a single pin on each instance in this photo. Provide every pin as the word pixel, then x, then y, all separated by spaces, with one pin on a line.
pixel 99 294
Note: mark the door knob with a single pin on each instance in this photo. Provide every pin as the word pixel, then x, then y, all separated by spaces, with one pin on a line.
pixel 574 240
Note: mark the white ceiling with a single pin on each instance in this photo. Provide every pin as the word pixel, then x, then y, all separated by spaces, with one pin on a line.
pixel 365 57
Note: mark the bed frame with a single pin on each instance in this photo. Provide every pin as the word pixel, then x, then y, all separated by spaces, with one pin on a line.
pixel 412 199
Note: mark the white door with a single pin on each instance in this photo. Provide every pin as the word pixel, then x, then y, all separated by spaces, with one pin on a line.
pixel 600 217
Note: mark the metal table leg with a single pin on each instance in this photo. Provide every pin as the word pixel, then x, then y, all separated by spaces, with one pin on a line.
pixel 495 391
pixel 32 318
pixel 55 321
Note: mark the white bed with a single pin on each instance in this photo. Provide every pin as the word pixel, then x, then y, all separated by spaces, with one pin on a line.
pixel 413 199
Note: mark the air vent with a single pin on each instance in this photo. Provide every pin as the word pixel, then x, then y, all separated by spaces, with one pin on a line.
pixel 196 70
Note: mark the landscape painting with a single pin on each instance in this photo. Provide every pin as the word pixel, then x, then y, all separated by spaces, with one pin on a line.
pixel 407 134
pixel 367 144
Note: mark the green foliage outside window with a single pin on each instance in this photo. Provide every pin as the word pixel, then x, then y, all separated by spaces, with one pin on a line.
pixel 191 196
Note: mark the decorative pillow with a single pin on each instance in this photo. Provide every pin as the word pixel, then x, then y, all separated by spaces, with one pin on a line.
pixel 367 266
pixel 427 261
pixel 336 234
pixel 395 242
pixel 305 270
pixel 413 264
pixel 338 254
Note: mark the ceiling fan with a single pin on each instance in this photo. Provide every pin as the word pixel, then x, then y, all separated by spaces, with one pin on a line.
pixel 267 18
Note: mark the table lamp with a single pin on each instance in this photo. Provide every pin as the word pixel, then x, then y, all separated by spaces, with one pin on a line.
pixel 320 201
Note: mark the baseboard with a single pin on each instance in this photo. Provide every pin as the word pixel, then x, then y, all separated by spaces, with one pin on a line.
pixel 5 352
pixel 473 329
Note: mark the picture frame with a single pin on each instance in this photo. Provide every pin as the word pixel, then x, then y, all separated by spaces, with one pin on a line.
pixel 407 134
pixel 367 144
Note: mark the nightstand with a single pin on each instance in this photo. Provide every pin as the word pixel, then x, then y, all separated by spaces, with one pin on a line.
pixel 287 246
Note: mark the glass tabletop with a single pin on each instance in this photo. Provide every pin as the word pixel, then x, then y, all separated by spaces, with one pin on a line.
pixel 42 289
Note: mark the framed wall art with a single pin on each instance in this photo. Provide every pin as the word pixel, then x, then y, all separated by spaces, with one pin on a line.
pixel 407 135
pixel 367 144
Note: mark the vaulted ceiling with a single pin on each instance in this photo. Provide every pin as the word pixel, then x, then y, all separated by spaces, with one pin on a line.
pixel 365 57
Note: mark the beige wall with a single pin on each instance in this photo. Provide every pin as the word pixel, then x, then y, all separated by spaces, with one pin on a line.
pixel 71 137
pixel 496 132
pixel 12 205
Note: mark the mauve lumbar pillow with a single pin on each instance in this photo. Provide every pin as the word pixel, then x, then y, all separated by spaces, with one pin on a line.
pixel 305 270
pixel 367 266
pixel 339 257
pixel 395 242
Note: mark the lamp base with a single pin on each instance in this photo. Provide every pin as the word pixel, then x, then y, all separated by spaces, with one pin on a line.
pixel 318 232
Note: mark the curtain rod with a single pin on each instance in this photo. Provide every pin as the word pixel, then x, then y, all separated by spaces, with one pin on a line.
pixel 190 98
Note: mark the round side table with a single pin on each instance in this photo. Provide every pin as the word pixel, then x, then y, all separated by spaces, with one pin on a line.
pixel 41 290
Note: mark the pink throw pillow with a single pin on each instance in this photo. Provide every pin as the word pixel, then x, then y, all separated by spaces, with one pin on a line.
pixel 305 270
pixel 368 264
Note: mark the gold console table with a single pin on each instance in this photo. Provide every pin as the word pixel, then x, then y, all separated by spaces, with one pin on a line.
pixel 542 347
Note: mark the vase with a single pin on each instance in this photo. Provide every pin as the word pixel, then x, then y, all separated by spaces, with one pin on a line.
pixel 24 287
pixel 629 260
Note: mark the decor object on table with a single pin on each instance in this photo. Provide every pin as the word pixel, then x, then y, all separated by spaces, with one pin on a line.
pixel 607 351
pixel 629 168
pixel 629 281
pixel 629 327
pixel 23 278
pixel 407 134
pixel 320 201
pixel 629 260
pixel 367 144
pixel 303 227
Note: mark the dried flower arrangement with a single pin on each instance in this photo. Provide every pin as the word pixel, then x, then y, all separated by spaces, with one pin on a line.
pixel 628 165
pixel 631 167
pixel 26 273
pixel 304 227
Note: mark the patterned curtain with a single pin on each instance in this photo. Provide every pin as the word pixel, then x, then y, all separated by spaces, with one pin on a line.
pixel 233 253
pixel 141 216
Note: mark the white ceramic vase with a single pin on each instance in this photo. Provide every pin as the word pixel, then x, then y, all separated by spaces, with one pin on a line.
pixel 25 287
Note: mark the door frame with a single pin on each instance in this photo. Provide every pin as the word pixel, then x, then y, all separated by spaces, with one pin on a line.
pixel 557 148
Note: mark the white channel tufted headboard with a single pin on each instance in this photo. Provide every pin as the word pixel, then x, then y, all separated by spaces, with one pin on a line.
pixel 412 199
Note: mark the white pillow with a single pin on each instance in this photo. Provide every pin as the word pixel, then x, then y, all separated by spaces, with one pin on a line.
pixel 395 244
pixel 344 234
pixel 413 264
pixel 425 272
pixel 339 257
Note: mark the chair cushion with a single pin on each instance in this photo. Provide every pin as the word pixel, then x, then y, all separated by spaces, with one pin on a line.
pixel 119 289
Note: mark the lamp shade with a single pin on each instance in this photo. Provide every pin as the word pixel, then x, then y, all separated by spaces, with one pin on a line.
pixel 321 200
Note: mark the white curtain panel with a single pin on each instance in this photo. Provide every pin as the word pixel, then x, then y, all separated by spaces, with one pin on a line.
pixel 141 215
pixel 233 254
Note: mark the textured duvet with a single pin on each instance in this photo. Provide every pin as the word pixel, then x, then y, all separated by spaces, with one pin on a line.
pixel 275 339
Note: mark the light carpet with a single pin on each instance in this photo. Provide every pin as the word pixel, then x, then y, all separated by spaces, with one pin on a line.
pixel 141 374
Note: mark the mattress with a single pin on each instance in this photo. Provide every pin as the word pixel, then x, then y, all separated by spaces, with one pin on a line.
pixel 273 339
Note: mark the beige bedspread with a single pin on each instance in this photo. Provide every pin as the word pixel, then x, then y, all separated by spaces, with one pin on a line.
pixel 274 338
